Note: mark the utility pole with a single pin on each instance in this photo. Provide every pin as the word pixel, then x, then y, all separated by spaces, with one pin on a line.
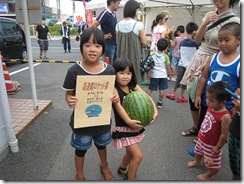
pixel 58 9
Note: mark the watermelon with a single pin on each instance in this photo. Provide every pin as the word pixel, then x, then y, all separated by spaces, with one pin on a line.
pixel 139 107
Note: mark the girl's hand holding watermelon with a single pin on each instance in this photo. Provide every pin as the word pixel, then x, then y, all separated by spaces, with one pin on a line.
pixel 135 124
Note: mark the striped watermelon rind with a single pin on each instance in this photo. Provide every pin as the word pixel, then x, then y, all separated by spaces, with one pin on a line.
pixel 139 107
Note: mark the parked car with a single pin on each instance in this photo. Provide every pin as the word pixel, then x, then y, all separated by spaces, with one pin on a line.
pixel 52 22
pixel 12 39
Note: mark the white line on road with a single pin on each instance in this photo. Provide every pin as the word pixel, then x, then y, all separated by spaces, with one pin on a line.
pixel 23 69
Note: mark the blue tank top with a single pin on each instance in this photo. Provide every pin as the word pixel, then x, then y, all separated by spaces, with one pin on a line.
pixel 223 72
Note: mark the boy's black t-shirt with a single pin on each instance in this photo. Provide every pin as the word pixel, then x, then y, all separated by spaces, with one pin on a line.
pixel 70 85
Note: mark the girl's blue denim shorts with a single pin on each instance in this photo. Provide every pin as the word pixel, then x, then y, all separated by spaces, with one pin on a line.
pixel 84 142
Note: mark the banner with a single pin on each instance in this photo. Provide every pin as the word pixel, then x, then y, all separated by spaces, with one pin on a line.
pixel 89 18
pixel 94 105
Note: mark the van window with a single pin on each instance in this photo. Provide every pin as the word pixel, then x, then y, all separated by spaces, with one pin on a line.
pixel 10 29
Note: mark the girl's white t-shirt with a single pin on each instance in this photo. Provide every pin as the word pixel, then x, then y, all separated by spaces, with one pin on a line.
pixel 125 26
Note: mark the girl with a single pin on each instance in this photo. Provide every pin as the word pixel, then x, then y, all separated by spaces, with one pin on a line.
pixel 157 30
pixel 127 132
pixel 92 47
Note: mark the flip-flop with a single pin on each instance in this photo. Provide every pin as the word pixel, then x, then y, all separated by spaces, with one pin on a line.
pixel 191 151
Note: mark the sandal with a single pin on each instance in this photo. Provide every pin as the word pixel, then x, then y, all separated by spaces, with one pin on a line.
pixel 170 96
pixel 191 131
pixel 107 174
pixel 122 171
pixel 79 178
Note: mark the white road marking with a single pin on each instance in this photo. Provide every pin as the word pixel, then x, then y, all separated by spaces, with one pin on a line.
pixel 23 69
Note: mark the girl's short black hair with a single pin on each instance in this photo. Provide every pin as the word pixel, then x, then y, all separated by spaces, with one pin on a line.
pixel 130 8
pixel 121 64
pixel 98 37
pixel 218 90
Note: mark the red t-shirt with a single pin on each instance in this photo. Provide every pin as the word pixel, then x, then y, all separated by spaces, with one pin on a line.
pixel 211 127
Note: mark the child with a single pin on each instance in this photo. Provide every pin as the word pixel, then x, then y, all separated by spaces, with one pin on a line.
pixel 92 47
pixel 159 71
pixel 214 131
pixel 127 132
pixel 187 49
pixel 180 30
pixel 234 141
pixel 222 66
pixel 158 30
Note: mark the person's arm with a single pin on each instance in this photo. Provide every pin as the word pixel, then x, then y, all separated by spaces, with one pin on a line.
pixel 143 37
pixel 201 30
pixel 37 33
pixel 70 99
pixel 96 23
pixel 225 121
pixel 201 84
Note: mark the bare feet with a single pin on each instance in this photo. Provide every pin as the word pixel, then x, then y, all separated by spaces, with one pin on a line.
pixel 193 164
pixel 205 176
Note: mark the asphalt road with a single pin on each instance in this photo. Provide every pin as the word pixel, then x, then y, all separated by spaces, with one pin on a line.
pixel 45 152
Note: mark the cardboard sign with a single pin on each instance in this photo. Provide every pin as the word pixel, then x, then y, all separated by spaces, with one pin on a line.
pixel 94 105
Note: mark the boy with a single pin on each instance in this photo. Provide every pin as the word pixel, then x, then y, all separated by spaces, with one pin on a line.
pixel 214 131
pixel 187 49
pixel 159 71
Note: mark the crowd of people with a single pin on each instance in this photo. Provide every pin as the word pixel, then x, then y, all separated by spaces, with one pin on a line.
pixel 208 52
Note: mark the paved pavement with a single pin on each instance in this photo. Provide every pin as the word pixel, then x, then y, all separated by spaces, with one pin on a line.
pixel 45 153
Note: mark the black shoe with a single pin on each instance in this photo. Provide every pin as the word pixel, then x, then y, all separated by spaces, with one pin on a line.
pixel 69 51
pixel 122 171
pixel 40 56
pixel 65 51
pixel 159 104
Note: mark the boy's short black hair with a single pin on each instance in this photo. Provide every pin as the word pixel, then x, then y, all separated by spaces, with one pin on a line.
pixel 162 44
pixel 191 27
pixel 180 28
pixel 130 8
pixel 234 27
pixel 218 90
pixel 98 37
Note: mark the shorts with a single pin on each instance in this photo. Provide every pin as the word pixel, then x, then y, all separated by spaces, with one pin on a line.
pixel 211 161
pixel 43 44
pixel 158 83
pixel 84 142
pixel 181 71
pixel 174 62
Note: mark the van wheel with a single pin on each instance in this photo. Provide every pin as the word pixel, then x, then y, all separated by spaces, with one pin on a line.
pixel 24 55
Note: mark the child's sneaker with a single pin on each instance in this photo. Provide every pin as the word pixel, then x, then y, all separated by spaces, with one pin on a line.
pixel 159 104
pixel 181 100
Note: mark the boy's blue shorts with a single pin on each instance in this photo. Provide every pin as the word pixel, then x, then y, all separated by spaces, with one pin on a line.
pixel 158 83
pixel 84 142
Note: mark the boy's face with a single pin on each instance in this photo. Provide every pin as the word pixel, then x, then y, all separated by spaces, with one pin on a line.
pixel 227 42
pixel 92 51
pixel 213 103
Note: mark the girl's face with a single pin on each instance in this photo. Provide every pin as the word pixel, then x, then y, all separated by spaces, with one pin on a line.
pixel 92 51
pixel 219 4
pixel 123 78
pixel 213 103
pixel 227 42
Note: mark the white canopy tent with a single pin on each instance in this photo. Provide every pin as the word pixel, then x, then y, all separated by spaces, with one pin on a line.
pixel 95 4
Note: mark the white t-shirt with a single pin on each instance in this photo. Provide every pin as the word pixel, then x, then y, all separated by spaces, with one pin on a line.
pixel 156 35
pixel 126 26
pixel 159 69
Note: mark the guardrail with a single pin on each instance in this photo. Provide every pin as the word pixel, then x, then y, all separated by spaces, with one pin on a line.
pixel 38 61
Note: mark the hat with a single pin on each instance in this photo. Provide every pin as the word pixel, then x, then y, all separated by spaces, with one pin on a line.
pixel 64 22
pixel 166 12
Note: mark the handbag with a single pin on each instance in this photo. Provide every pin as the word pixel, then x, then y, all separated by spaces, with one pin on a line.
pixel 192 88
pixel 147 64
